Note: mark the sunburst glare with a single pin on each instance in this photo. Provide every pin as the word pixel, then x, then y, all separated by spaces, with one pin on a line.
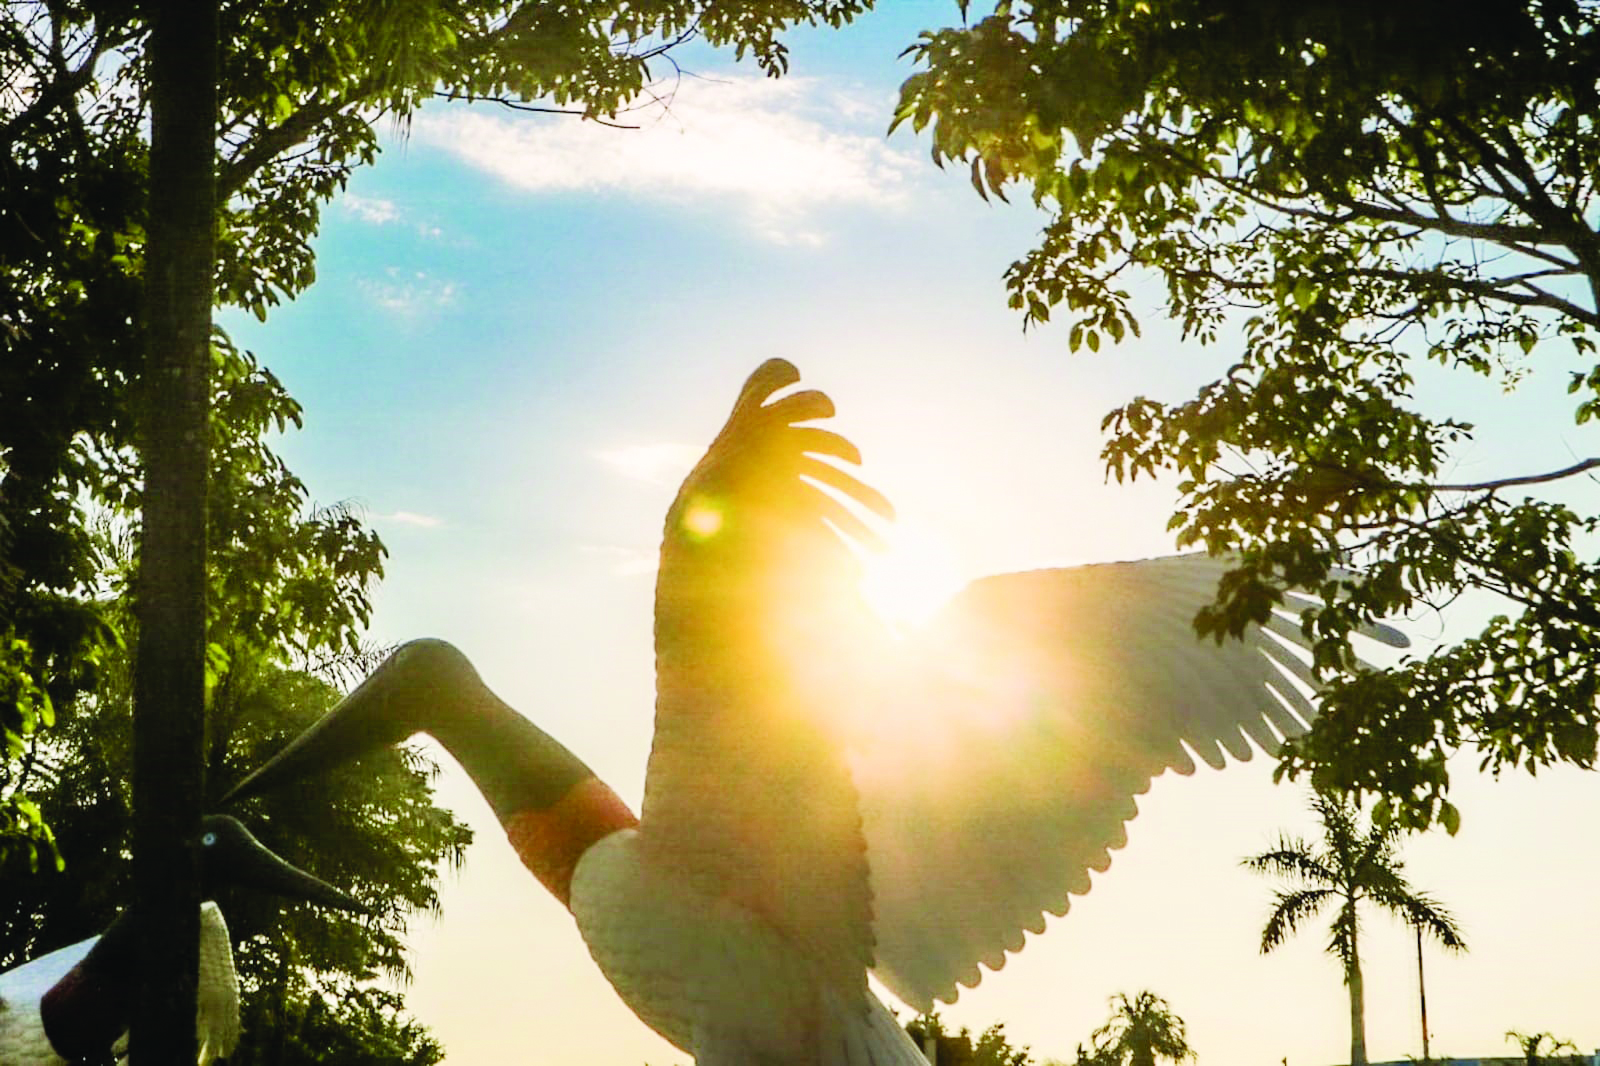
pixel 911 579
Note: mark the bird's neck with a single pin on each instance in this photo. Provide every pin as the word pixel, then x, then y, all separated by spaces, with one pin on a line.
pixel 87 1010
pixel 551 841
pixel 552 806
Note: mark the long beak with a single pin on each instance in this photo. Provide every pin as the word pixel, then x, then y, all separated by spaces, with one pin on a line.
pixel 234 855
pixel 383 710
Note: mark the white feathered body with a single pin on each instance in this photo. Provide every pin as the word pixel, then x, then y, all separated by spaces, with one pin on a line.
pixel 716 979
pixel 22 1039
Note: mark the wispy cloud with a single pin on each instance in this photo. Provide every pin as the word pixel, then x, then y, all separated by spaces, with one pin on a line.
pixel 777 150
pixel 409 292
pixel 371 209
pixel 376 211
pixel 411 518
pixel 663 463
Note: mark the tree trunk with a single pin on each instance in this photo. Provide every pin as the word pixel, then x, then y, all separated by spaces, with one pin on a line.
pixel 1422 1000
pixel 169 669
pixel 1358 1006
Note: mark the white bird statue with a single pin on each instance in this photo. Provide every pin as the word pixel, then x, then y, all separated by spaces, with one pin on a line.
pixel 72 1007
pixel 822 799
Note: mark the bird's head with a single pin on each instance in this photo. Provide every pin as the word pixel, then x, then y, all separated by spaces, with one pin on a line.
pixel 229 854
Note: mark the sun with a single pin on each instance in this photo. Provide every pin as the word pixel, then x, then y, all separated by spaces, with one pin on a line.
pixel 907 582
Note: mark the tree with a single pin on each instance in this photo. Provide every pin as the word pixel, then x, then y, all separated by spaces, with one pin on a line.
pixel 289 587
pixel 1139 1031
pixel 1338 207
pixel 1530 1044
pixel 989 1048
pixel 1351 866
pixel 169 695
pixel 303 971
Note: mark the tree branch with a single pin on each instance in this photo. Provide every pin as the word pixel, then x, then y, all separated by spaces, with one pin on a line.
pixel 59 90
pixel 538 109
pixel 232 174
pixel 1491 290
pixel 1529 479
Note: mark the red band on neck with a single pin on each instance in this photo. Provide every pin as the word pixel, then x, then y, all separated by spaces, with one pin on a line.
pixel 551 841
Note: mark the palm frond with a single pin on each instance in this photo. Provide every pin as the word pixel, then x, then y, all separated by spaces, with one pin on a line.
pixel 1343 935
pixel 1293 858
pixel 1424 913
pixel 1290 909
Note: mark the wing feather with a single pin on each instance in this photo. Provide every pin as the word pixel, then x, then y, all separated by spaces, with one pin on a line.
pixel 747 793
pixel 1068 691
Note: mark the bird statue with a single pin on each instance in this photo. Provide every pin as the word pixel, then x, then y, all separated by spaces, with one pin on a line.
pixel 824 798
pixel 72 1007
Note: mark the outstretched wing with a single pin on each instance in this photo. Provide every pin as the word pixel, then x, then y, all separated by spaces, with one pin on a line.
pixel 1032 713
pixel 747 792
pixel 980 771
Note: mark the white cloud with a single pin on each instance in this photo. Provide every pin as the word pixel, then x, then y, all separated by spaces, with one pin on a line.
pixel 664 463
pixel 777 150
pixel 409 292
pixel 377 211
pixel 411 518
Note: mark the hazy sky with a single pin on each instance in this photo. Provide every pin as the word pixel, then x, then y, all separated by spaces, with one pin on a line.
pixel 524 331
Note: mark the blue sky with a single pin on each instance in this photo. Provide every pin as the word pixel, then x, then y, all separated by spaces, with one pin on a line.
pixel 525 329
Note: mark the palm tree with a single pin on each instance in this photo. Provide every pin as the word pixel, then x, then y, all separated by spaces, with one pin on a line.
pixel 1140 1031
pixel 1530 1043
pixel 1351 866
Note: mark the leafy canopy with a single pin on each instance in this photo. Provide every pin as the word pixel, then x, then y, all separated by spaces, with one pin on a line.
pixel 1339 194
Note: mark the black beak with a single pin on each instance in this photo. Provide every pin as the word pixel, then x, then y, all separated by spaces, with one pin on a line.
pixel 230 853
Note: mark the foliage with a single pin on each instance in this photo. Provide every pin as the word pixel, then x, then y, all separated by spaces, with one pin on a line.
pixel 349 1026
pixel 1139 1031
pixel 372 830
pixel 25 837
pixel 1530 1044
pixel 288 582
pixel 25 707
pixel 302 88
pixel 1339 208
pixel 989 1048
pixel 287 585
pixel 1351 865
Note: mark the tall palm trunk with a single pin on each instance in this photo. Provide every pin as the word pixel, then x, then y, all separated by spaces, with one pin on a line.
pixel 1358 1005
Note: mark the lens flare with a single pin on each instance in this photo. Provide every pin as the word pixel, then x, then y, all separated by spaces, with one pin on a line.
pixel 908 583
pixel 702 518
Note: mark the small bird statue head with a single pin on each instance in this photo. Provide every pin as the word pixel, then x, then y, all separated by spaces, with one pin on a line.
pixel 86 1011
pixel 231 855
